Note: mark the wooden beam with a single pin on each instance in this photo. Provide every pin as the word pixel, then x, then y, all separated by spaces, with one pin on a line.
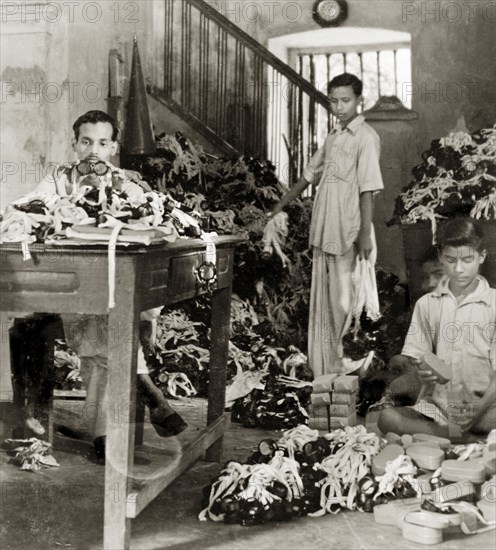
pixel 138 499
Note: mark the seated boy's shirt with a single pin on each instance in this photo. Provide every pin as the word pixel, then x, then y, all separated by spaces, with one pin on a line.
pixel 462 335
pixel 344 167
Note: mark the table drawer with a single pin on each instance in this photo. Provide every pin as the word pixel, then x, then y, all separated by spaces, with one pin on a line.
pixel 183 281
pixel 182 273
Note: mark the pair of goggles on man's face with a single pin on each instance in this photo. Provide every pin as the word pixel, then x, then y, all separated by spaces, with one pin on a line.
pixel 86 167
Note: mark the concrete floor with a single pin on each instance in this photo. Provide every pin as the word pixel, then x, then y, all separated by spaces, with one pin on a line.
pixel 63 507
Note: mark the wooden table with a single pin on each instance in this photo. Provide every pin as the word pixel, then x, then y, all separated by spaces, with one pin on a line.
pixel 74 280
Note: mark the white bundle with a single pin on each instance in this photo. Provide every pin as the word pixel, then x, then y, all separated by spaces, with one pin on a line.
pixel 274 237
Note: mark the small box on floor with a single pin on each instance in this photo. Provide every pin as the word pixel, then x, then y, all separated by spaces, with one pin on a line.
pixel 344 398
pixel 325 423
pixel 319 423
pixel 320 399
pixel 341 410
pixel 342 421
pixel 324 383
pixel 318 411
pixel 346 384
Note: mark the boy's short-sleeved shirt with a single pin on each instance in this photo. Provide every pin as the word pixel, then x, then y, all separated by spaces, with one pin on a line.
pixel 462 335
pixel 344 167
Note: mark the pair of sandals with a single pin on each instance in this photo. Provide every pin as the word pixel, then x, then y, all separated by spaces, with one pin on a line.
pixel 165 426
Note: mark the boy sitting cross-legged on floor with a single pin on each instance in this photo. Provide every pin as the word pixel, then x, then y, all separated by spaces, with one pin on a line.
pixel 456 322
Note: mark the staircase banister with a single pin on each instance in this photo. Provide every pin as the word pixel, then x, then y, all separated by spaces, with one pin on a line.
pixel 303 84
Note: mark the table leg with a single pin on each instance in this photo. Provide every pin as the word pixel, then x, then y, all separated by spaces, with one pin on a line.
pixel 6 392
pixel 140 419
pixel 219 347
pixel 123 347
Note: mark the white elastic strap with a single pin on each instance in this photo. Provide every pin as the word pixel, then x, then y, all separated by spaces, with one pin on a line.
pixel 467 508
pixel 26 255
pixel 111 262
pixel 211 250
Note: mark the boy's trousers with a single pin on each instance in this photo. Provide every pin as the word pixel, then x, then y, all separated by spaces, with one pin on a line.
pixel 331 299
pixel 330 303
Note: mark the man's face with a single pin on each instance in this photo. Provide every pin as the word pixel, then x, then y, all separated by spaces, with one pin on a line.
pixel 461 264
pixel 344 103
pixel 95 139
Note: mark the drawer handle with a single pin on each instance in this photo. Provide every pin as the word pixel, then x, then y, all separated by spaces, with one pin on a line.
pixel 206 276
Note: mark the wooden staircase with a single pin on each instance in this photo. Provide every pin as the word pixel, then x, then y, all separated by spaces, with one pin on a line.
pixel 235 92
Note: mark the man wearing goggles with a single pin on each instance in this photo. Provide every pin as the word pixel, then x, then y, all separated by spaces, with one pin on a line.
pixel 95 142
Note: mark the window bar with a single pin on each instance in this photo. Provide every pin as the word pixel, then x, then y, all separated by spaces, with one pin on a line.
pixel 255 100
pixel 188 50
pixel 239 107
pixel 221 67
pixel 206 70
pixel 395 53
pixel 360 57
pixel 233 124
pixel 294 145
pixel 328 67
pixel 183 51
pixel 290 133
pixel 263 109
pixel 257 138
pixel 378 53
pixel 275 107
pixel 200 67
pixel 300 121
pixel 344 62
pixel 270 99
pixel 218 81
pixel 225 58
pixel 203 74
pixel 167 50
pixel 312 69
pixel 242 126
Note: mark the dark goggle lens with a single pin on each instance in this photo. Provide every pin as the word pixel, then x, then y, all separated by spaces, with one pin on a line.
pixel 99 168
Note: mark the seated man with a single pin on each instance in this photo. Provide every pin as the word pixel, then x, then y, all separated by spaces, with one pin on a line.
pixel 457 322
pixel 95 142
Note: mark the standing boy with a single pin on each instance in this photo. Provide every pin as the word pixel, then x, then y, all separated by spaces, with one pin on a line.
pixel 457 322
pixel 347 174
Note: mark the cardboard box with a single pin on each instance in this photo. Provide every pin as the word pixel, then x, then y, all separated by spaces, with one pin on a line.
pixel 319 423
pixel 342 421
pixel 341 410
pixel 318 411
pixel 324 423
pixel 323 383
pixel 320 399
pixel 346 384
pixel 344 398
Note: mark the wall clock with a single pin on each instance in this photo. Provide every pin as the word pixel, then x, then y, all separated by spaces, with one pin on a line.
pixel 330 13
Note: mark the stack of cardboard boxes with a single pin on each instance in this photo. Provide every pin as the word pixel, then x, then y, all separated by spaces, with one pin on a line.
pixel 334 400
